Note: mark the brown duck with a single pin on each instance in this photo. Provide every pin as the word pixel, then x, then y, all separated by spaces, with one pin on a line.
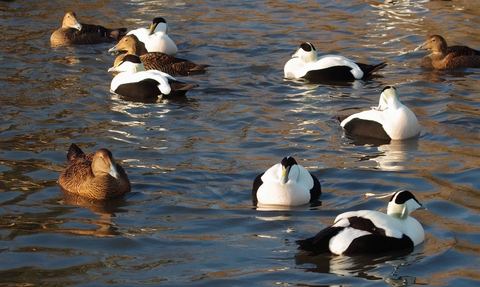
pixel 94 176
pixel 156 60
pixel 444 57
pixel 74 33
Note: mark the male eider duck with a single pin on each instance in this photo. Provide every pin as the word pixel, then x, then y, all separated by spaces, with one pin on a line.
pixel 94 176
pixel 74 33
pixel 445 57
pixel 306 64
pixel 156 38
pixel 367 231
pixel 286 183
pixel 391 120
pixel 157 60
pixel 134 82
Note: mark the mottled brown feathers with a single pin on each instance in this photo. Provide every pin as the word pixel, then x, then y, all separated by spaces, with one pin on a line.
pixel 94 176
pixel 444 57
pixel 156 60
pixel 74 33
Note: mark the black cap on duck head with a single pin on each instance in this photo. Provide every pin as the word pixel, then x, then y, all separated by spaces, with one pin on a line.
pixel 288 161
pixel 388 87
pixel 307 46
pixel 132 58
pixel 159 20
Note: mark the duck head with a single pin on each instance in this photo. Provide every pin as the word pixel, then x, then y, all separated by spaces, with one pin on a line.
pixel 70 21
pixel 388 98
pixel 435 43
pixel 127 63
pixel 103 163
pixel 288 170
pixel 129 44
pixel 402 203
pixel 159 25
pixel 306 52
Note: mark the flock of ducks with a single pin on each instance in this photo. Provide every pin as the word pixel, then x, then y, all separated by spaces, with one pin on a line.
pixel 146 67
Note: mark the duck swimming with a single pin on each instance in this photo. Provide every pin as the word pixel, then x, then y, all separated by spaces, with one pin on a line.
pixel 306 64
pixel 445 57
pixel 286 183
pixel 391 120
pixel 368 231
pixel 94 176
pixel 133 82
pixel 156 38
pixel 74 33
pixel 157 60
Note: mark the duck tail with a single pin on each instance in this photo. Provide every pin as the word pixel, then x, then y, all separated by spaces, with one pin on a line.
pixel 368 70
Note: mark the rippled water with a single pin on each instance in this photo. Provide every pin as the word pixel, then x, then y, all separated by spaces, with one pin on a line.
pixel 189 218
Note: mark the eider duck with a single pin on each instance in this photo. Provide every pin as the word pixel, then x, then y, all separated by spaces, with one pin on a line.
pixel 445 57
pixel 391 120
pixel 286 183
pixel 306 64
pixel 94 176
pixel 133 82
pixel 156 38
pixel 368 231
pixel 74 33
pixel 156 60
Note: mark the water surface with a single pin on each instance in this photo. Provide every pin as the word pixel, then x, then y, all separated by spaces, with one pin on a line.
pixel 189 219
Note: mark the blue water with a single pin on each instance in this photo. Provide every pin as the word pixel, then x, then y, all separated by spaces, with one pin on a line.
pixel 189 218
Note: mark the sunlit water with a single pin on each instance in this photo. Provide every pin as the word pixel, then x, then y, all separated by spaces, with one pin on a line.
pixel 189 219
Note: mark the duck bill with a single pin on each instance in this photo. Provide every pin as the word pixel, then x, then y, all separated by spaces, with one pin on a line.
pixel 113 69
pixel 113 50
pixel 284 178
pixel 152 28
pixel 113 170
pixel 419 47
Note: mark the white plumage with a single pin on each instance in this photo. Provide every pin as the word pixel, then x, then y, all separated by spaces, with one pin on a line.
pixel 305 63
pixel 156 38
pixel 397 121
pixel 132 71
pixel 286 183
pixel 369 231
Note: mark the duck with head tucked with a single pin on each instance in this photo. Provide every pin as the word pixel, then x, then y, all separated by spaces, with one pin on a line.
pixel 448 57
pixel 134 83
pixel 157 60
pixel 306 64
pixel 286 183
pixel 368 231
pixel 95 176
pixel 390 120
pixel 74 33
pixel 156 38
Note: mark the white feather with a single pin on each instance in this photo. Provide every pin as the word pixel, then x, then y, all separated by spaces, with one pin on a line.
pixel 398 121
pixel 304 61
pixel 159 41
pixel 295 192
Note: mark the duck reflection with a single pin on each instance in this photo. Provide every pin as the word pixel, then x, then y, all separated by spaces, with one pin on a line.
pixel 367 266
pixel 394 155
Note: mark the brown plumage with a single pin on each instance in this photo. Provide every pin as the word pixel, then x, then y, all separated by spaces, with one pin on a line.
pixel 157 60
pixel 93 175
pixel 444 57
pixel 74 33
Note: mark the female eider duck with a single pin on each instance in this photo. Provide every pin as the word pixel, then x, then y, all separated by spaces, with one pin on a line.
pixel 445 57
pixel 133 82
pixel 156 60
pixel 156 38
pixel 74 33
pixel 94 176
pixel 306 64
pixel 368 231
pixel 286 183
pixel 391 120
